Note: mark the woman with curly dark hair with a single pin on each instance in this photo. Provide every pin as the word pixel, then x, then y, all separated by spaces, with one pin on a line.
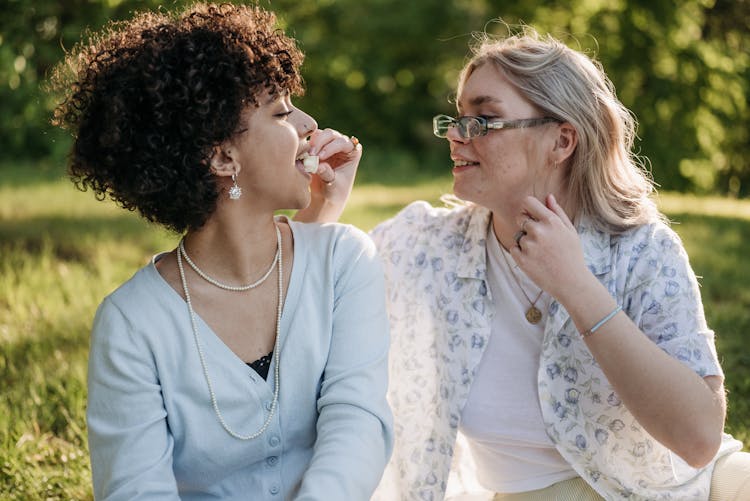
pixel 251 361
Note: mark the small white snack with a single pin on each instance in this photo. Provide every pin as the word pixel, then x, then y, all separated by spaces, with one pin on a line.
pixel 310 162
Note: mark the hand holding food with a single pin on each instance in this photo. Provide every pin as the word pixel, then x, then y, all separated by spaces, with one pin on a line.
pixel 332 159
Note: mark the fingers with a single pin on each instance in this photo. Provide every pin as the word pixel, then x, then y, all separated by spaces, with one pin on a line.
pixel 539 223
pixel 336 152
pixel 328 143
pixel 326 173
pixel 558 210
pixel 517 255
pixel 534 209
pixel 532 212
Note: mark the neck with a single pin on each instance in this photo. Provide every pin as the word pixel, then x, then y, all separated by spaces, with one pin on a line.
pixel 505 221
pixel 233 253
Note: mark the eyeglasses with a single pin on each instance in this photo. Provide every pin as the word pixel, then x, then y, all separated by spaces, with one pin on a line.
pixel 471 127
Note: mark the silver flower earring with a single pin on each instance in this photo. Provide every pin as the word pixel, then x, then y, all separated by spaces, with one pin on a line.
pixel 235 192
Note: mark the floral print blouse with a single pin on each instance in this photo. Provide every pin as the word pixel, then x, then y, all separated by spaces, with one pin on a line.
pixel 440 310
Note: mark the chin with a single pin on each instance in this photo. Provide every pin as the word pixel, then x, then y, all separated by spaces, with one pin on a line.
pixel 460 193
pixel 302 201
pixel 467 197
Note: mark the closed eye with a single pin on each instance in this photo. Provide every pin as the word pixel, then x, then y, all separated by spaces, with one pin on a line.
pixel 284 114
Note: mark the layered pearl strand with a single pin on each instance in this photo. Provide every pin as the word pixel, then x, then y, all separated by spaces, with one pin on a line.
pixel 277 261
pixel 237 288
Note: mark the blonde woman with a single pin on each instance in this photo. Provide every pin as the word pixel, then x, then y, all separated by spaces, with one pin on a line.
pixel 553 319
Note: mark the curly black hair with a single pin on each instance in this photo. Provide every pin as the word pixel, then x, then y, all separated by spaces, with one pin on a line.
pixel 148 99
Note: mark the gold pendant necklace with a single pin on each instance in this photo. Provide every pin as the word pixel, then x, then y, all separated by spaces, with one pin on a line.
pixel 533 314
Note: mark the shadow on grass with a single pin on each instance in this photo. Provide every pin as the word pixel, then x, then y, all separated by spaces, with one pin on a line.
pixel 35 369
pixel 70 238
pixel 26 174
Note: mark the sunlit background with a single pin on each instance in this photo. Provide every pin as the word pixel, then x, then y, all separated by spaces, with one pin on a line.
pixel 378 69
pixel 382 68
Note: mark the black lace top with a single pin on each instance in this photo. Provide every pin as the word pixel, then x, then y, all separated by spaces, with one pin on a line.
pixel 262 365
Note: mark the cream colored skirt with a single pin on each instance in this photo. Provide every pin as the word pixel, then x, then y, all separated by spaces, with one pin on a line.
pixel 731 479
pixel 575 489
pixel 730 482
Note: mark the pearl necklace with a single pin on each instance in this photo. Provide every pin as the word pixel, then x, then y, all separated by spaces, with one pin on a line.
pixel 237 288
pixel 276 350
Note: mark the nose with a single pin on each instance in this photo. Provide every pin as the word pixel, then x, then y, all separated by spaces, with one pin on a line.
pixel 454 136
pixel 306 124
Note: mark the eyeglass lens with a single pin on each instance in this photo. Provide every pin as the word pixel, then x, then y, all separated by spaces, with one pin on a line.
pixel 468 127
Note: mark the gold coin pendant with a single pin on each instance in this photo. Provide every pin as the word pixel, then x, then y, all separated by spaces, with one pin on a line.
pixel 533 315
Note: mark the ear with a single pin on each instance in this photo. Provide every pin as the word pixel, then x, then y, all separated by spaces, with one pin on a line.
pixel 223 161
pixel 565 142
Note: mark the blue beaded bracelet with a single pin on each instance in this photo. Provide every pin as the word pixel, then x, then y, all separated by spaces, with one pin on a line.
pixel 601 322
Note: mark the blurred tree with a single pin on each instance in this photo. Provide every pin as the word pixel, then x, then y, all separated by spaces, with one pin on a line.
pixel 683 69
pixel 33 38
pixel 382 68
pixel 727 27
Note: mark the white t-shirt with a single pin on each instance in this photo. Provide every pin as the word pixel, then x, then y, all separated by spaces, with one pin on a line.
pixel 502 419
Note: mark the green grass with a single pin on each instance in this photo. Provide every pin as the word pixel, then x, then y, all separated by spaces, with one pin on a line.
pixel 61 251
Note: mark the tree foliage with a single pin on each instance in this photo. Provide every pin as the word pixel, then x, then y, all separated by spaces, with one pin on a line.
pixel 382 68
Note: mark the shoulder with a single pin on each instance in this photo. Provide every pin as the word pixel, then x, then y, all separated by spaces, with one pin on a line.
pixel 335 238
pixel 420 219
pixel 140 299
pixel 134 292
pixel 140 288
pixel 654 241
pixel 423 213
pixel 126 316
pixel 653 256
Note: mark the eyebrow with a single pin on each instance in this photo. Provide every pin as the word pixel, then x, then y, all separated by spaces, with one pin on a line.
pixel 480 100
pixel 273 97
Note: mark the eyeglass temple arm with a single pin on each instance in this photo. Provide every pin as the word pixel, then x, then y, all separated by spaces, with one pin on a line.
pixel 516 124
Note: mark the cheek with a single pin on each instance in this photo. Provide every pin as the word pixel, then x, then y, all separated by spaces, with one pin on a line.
pixel 290 137
pixel 496 162
pixel 280 143
pixel 504 159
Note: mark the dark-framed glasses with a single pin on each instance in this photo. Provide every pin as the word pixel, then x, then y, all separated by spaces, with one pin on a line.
pixel 471 127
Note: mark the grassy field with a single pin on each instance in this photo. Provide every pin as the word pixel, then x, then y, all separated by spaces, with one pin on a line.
pixel 61 251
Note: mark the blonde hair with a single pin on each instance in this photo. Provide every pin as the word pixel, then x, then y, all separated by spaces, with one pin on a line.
pixel 607 181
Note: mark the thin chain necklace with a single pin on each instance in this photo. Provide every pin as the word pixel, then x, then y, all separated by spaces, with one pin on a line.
pixel 533 314
pixel 276 350
pixel 215 282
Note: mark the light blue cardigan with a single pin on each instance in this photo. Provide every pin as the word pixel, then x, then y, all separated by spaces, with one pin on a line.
pixel 153 433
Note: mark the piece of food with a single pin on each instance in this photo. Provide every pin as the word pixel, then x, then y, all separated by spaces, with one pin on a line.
pixel 310 162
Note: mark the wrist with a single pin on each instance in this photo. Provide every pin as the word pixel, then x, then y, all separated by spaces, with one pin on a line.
pixel 587 300
pixel 590 331
pixel 320 210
